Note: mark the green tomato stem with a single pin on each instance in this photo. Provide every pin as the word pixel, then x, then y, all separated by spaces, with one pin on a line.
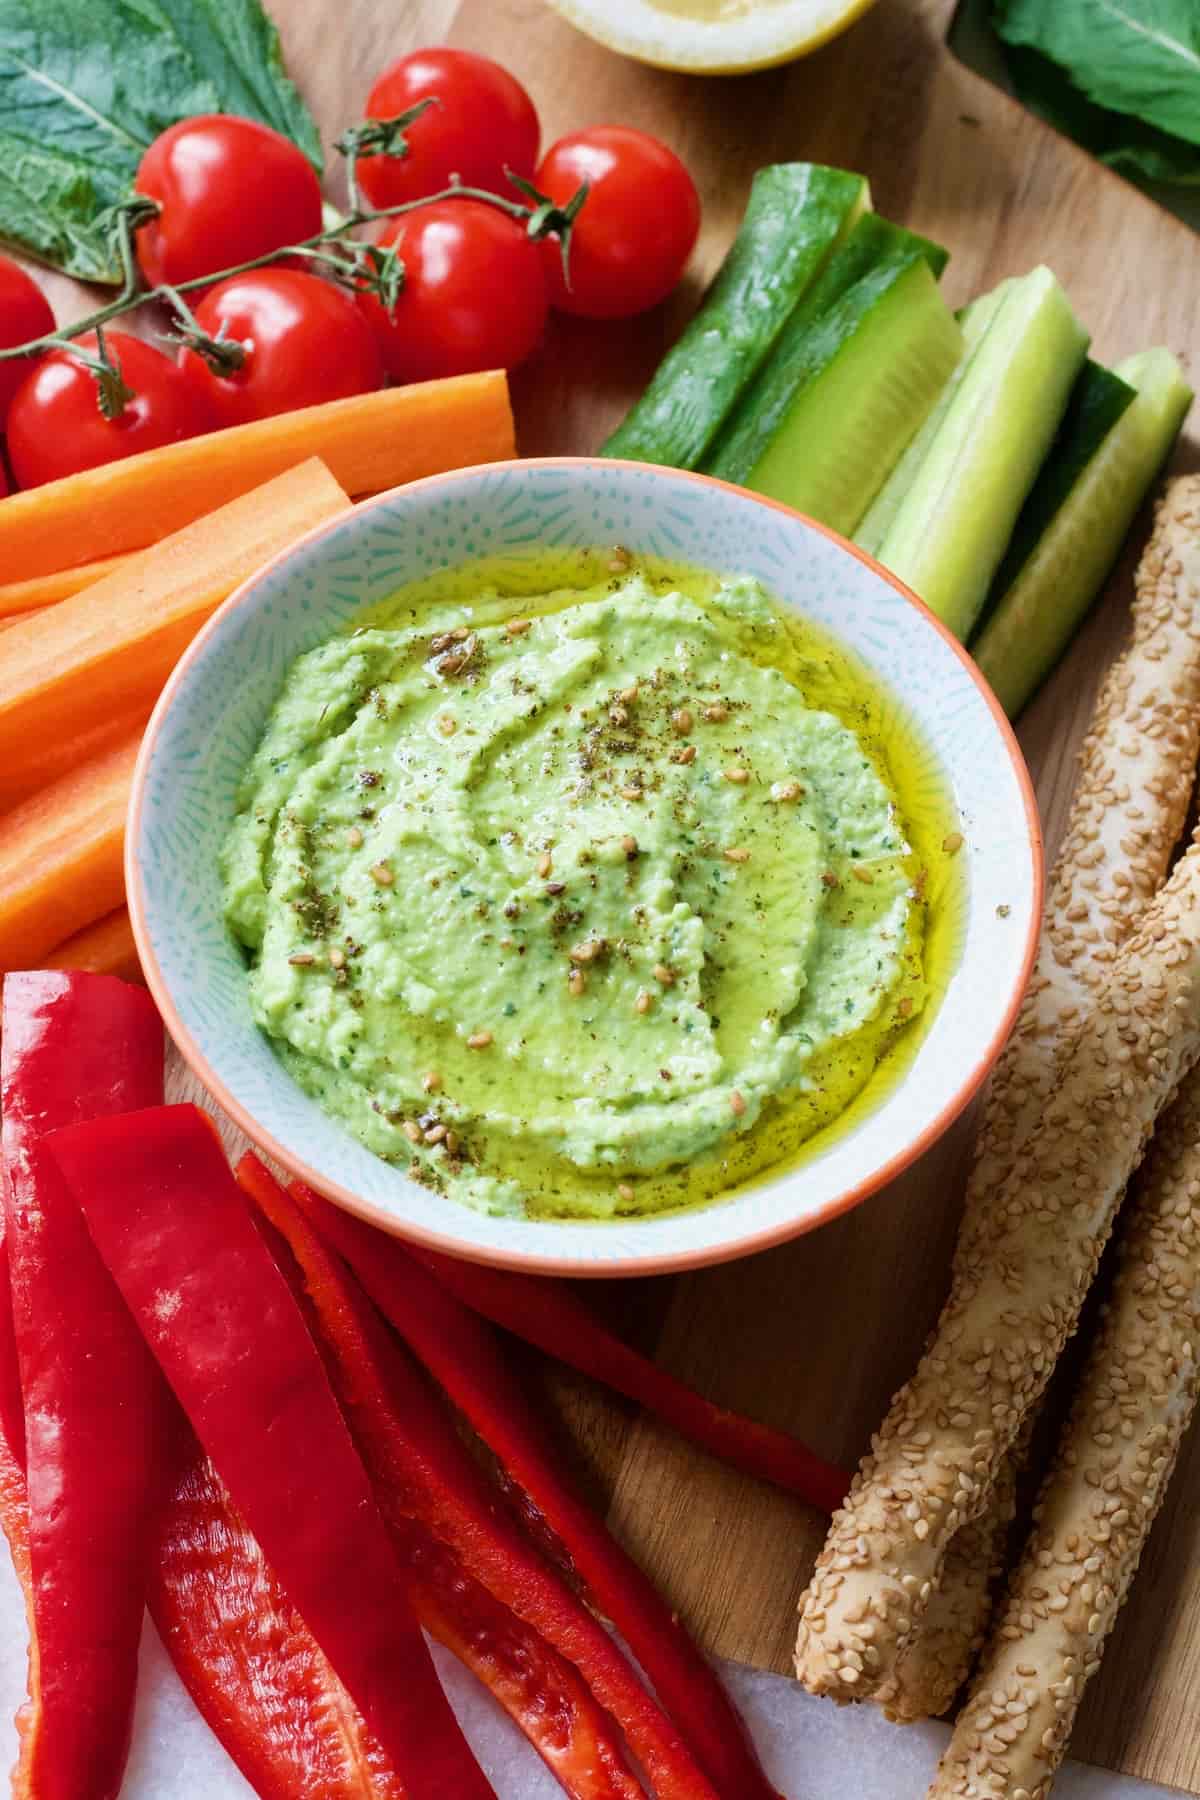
pixel 540 218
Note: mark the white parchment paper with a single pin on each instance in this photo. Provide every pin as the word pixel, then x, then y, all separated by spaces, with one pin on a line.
pixel 813 1750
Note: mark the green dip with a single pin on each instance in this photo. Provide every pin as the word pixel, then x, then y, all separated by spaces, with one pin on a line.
pixel 551 904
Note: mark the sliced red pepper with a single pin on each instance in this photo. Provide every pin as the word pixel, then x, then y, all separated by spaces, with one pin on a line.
pixel 247 1659
pixel 177 1235
pixel 547 1313
pixel 12 1407
pixel 96 1408
pixel 541 1692
pixel 14 1491
pixel 480 1585
pixel 464 1357
pixel 237 1643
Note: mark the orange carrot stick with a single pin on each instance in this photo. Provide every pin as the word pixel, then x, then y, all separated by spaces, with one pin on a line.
pixel 368 443
pixel 17 597
pixel 105 948
pixel 73 678
pixel 60 857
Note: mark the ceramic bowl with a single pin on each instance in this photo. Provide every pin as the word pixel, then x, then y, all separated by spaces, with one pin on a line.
pixel 212 713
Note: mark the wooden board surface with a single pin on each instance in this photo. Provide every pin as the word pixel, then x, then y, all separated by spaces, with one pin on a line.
pixel 816 1335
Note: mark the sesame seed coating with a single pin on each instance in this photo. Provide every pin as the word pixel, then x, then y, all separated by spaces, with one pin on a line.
pixel 1040 1201
pixel 1116 1456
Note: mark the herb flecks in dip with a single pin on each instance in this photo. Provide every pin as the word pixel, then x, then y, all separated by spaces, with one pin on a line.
pixel 548 908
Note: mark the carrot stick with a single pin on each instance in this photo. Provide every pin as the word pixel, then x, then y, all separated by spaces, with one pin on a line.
pixel 95 664
pixel 368 443
pixel 60 857
pixel 105 948
pixel 51 758
pixel 17 597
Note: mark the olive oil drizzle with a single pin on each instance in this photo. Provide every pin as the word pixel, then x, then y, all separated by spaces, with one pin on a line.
pixel 515 589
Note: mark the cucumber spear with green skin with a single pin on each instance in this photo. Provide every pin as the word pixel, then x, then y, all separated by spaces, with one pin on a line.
pixel 853 374
pixel 877 521
pixel 796 215
pixel 949 535
pixel 1076 517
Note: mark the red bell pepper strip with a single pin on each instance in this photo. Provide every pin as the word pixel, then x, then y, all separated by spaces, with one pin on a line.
pixel 96 1409
pixel 461 1352
pixel 547 1313
pixel 247 1659
pixel 480 1585
pixel 12 1407
pixel 237 1643
pixel 178 1237
pixel 14 1491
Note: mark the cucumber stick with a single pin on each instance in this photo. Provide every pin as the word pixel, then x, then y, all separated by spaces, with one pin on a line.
pixel 857 273
pixel 1097 401
pixel 845 389
pixel 974 320
pixel 1040 611
pixel 950 532
pixel 797 214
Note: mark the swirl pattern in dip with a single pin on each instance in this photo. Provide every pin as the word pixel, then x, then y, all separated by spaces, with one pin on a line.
pixel 551 907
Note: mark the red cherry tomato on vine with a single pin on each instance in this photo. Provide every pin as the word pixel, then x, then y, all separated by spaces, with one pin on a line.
pixel 228 190
pixel 474 295
pixel 56 427
pixel 305 342
pixel 483 122
pixel 635 230
pixel 24 313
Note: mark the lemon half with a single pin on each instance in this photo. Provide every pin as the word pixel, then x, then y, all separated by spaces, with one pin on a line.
pixel 712 37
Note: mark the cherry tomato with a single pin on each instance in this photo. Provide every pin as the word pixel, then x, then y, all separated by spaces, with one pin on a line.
pixel 474 296
pixel 228 190
pixel 484 120
pixel 56 427
pixel 636 228
pixel 24 313
pixel 305 341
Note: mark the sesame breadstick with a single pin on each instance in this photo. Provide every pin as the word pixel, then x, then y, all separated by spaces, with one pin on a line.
pixel 952 1631
pixel 1127 812
pixel 1012 1306
pixel 1137 765
pixel 1115 1458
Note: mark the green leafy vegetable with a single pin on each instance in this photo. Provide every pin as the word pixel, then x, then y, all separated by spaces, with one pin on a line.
pixel 1136 149
pixel 86 86
pixel 1122 77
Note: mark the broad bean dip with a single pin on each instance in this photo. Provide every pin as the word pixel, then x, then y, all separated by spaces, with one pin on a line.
pixel 550 906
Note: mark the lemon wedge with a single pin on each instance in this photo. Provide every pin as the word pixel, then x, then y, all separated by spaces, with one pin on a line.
pixel 712 37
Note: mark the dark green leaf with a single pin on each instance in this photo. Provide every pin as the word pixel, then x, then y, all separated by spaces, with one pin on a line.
pixel 1138 57
pixel 1139 151
pixel 1157 158
pixel 85 87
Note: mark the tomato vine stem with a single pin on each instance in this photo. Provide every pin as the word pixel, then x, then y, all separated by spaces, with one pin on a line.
pixel 359 262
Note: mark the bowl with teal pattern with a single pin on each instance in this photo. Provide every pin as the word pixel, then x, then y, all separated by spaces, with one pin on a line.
pixel 584 867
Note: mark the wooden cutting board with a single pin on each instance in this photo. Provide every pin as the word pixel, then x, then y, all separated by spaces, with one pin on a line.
pixel 815 1336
